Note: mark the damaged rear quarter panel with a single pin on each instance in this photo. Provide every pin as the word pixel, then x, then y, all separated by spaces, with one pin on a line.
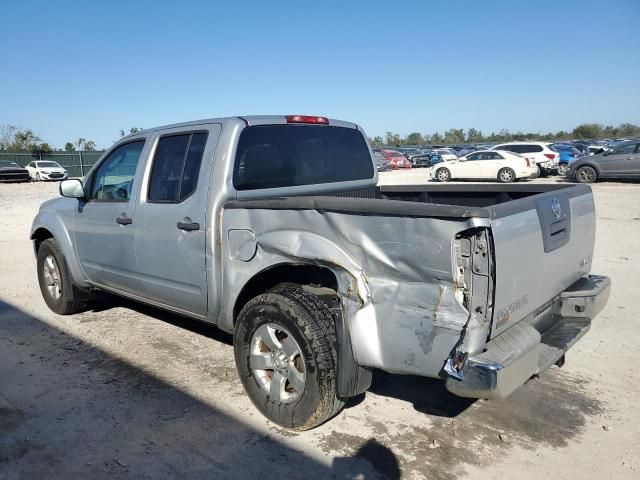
pixel 399 297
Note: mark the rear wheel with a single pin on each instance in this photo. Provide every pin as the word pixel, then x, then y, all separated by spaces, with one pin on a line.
pixel 506 175
pixel 586 175
pixel 285 350
pixel 563 169
pixel 443 174
pixel 58 291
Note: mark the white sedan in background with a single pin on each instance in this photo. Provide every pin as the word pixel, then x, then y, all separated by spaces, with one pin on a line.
pixel 497 165
pixel 46 170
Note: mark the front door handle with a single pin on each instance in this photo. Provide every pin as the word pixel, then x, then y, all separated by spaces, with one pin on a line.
pixel 124 220
pixel 188 226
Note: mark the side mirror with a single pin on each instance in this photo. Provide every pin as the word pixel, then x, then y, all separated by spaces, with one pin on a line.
pixel 71 188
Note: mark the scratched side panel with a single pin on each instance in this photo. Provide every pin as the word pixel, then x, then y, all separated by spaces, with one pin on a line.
pixel 409 315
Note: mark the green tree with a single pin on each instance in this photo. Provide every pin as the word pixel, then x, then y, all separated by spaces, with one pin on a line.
pixel 376 141
pixel 68 147
pixel 454 135
pixel 435 139
pixel 132 130
pixel 588 130
pixel 414 138
pixel 7 136
pixel 89 146
pixel 25 141
pixel 474 136
pixel 393 139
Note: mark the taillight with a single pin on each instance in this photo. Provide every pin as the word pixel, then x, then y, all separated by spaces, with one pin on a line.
pixel 307 119
pixel 550 156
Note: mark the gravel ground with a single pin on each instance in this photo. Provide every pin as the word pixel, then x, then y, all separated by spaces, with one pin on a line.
pixel 125 391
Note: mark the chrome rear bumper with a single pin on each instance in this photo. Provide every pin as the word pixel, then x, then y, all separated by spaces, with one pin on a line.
pixel 530 348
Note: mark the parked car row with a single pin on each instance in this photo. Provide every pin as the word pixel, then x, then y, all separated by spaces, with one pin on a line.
pixel 37 170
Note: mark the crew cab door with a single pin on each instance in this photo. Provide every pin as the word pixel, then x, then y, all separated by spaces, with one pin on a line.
pixel 171 218
pixel 103 223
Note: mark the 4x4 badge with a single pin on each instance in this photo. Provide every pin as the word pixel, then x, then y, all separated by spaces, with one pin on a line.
pixel 556 208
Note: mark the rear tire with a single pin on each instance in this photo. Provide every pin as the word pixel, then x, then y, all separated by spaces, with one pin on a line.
pixel 586 175
pixel 288 336
pixel 563 169
pixel 56 286
pixel 506 175
pixel 443 174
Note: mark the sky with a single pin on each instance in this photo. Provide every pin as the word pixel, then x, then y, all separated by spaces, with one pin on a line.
pixel 88 69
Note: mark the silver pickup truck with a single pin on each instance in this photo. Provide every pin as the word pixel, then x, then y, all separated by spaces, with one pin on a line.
pixel 273 228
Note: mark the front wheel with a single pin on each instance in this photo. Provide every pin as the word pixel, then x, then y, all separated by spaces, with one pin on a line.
pixel 38 178
pixel 443 175
pixel 586 175
pixel 285 351
pixel 506 175
pixel 55 282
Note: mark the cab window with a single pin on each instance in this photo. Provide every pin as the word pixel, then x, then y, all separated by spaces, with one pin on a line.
pixel 176 167
pixel 113 179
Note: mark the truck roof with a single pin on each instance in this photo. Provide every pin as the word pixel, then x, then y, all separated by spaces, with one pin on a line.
pixel 249 120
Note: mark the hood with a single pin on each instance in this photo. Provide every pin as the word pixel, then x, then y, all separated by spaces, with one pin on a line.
pixel 10 167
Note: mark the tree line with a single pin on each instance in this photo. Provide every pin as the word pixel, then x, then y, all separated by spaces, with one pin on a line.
pixel 456 136
pixel 14 139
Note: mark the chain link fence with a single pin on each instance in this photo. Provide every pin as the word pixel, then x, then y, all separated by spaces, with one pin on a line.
pixel 76 163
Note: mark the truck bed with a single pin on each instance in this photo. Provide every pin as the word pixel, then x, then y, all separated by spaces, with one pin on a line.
pixel 431 200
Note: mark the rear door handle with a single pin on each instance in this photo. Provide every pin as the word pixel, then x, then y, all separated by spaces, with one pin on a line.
pixel 124 220
pixel 188 226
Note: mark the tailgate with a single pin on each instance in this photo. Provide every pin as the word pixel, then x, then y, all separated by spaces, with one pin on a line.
pixel 542 244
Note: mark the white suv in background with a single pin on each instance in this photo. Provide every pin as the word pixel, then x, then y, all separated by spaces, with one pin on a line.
pixel 540 152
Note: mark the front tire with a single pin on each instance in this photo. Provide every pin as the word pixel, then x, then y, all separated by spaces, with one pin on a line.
pixel 56 286
pixel 38 179
pixel 506 175
pixel 285 350
pixel 586 175
pixel 443 174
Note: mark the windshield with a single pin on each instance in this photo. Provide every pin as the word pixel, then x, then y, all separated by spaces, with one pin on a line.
pixel 48 165
pixel 273 156
pixel 4 163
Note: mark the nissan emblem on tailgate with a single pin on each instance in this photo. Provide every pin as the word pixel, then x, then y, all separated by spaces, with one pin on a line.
pixel 555 207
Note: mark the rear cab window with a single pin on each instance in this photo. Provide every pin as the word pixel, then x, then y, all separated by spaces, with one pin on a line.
pixel 175 168
pixel 275 156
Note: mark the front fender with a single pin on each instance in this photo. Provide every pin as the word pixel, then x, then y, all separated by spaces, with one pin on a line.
pixel 53 222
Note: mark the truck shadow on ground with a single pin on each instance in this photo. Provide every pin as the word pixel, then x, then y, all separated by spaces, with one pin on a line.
pixel 71 410
pixel 548 411
pixel 105 301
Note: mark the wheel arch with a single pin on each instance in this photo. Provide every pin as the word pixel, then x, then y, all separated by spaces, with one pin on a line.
pixel 321 279
pixel 48 224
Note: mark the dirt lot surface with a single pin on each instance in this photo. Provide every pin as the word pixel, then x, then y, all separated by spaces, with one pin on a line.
pixel 127 391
